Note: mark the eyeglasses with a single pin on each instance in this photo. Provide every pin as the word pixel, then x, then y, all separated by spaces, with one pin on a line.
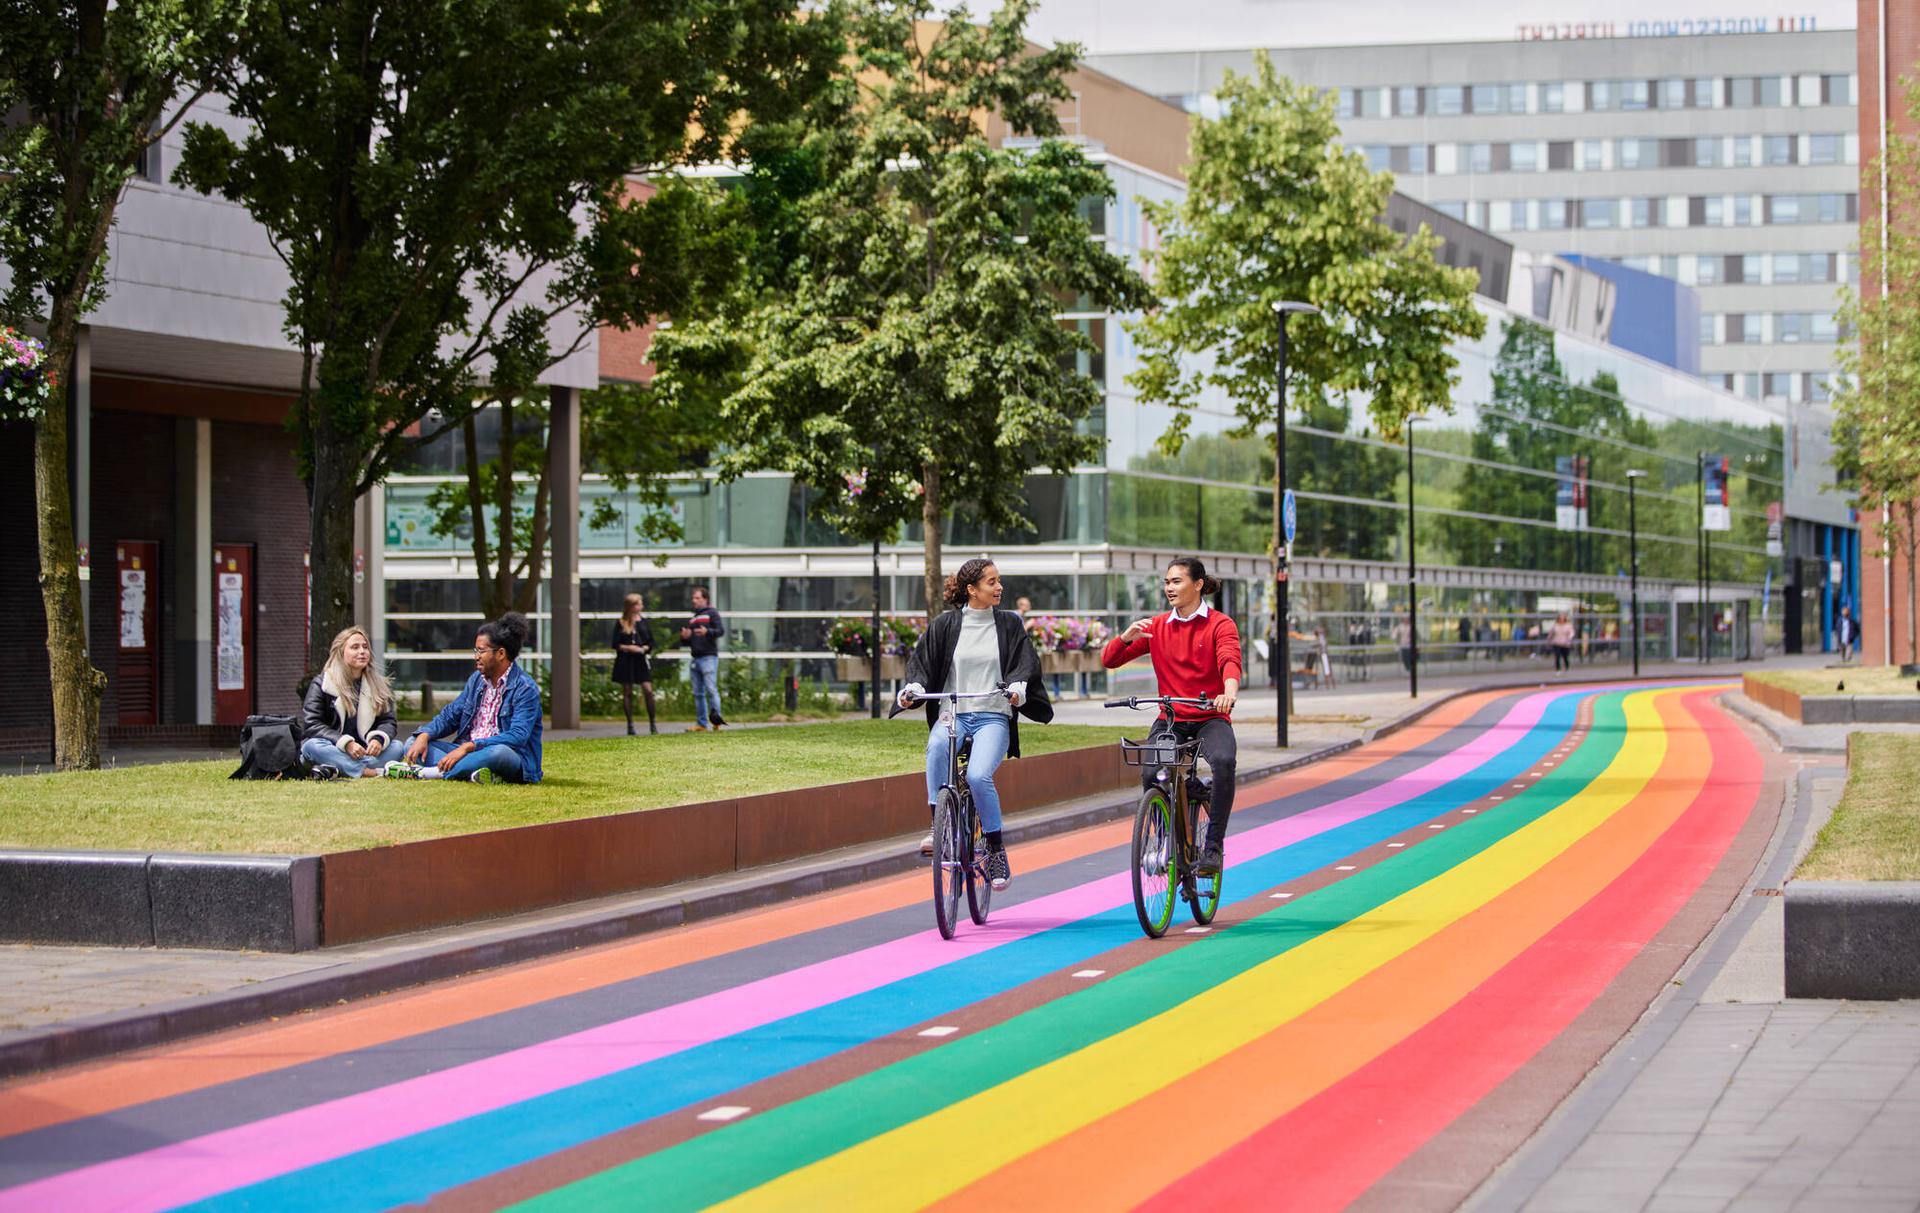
pixel 482 652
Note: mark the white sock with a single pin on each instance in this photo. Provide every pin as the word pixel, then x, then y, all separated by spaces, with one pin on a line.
pixel 432 772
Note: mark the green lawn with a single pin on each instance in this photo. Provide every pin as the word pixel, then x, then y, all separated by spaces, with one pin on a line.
pixel 1875 830
pixel 1861 680
pixel 192 806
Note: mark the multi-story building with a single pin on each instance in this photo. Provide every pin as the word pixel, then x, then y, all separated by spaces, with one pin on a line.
pixel 1729 162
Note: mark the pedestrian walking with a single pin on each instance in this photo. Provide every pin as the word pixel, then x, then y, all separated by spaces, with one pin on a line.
pixel 1846 631
pixel 633 658
pixel 702 632
pixel 1403 640
pixel 1560 640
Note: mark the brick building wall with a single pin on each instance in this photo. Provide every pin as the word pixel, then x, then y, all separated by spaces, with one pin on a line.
pixel 26 703
pixel 1883 582
pixel 133 479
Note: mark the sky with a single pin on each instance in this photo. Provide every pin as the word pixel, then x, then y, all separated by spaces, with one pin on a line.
pixel 1121 26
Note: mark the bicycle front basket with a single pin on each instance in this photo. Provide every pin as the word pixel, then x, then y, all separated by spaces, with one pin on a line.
pixel 1152 752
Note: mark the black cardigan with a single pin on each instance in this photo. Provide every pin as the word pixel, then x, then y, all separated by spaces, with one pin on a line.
pixel 932 663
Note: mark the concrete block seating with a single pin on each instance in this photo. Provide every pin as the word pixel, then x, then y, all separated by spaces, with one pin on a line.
pixel 1853 939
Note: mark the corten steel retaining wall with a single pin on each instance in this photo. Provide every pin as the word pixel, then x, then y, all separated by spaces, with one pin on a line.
pixel 1767 695
pixel 390 890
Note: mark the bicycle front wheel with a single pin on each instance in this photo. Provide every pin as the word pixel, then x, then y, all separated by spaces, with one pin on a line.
pixel 1203 892
pixel 949 862
pixel 1153 861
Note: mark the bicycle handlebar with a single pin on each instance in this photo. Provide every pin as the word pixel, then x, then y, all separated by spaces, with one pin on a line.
pixel 1137 701
pixel 956 696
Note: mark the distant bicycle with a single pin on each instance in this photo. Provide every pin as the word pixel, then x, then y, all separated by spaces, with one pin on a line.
pixel 1167 823
pixel 959 851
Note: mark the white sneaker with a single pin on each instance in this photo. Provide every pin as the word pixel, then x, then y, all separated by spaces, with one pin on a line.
pixel 926 844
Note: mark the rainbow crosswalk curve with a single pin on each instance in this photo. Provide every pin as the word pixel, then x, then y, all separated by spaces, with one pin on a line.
pixel 1403 929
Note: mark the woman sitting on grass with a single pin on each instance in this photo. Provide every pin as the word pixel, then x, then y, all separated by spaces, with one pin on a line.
pixel 491 733
pixel 347 717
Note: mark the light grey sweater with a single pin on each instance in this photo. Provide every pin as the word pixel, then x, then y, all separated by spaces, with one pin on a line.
pixel 976 662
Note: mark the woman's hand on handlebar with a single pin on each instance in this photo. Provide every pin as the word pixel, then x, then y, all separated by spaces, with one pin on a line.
pixel 909 694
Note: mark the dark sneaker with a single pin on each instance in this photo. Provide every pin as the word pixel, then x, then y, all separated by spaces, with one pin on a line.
pixel 999 875
pixel 1213 857
pixel 323 772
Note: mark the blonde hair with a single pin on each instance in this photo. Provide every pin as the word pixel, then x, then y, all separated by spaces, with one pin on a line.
pixel 632 607
pixel 345 686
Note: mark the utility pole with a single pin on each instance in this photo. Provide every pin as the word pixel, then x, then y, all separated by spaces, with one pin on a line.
pixel 1283 673
pixel 1633 561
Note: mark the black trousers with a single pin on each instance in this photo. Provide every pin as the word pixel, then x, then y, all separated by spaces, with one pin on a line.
pixel 1563 657
pixel 1221 751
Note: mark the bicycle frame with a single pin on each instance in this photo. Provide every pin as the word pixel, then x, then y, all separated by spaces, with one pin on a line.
pixel 1175 762
pixel 963 859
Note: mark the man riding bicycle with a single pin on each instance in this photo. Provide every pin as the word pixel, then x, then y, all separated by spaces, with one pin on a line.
pixel 974 646
pixel 1196 651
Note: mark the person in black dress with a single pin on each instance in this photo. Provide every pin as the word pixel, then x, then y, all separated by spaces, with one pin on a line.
pixel 632 653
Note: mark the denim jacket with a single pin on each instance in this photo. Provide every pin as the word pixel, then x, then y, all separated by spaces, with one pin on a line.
pixel 519 720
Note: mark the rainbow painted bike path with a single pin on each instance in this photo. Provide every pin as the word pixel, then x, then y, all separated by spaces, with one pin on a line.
pixel 1406 931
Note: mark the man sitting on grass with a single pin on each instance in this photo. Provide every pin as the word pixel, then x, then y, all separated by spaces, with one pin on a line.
pixel 491 732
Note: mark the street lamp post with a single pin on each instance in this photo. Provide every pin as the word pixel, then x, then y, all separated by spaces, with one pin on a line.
pixel 1413 577
pixel 1633 561
pixel 1283 674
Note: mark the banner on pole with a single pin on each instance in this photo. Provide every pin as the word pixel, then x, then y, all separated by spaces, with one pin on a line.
pixel 1716 514
pixel 1570 502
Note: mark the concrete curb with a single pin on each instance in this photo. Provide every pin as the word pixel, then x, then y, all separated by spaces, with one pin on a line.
pixel 1756 714
pixel 1853 939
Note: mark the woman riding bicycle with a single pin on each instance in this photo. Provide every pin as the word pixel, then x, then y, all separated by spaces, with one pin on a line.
pixel 973 646
pixel 1196 651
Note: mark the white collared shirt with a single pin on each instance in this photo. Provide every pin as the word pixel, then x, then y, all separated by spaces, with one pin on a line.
pixel 1200 612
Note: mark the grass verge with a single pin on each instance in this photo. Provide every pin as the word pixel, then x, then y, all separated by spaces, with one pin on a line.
pixel 193 806
pixel 1861 680
pixel 1875 830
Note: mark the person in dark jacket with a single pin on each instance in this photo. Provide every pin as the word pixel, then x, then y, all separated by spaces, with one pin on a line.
pixel 975 646
pixel 491 733
pixel 702 632
pixel 633 658
pixel 346 720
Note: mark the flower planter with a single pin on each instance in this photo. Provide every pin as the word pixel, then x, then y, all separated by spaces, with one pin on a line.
pixel 860 669
pixel 1078 661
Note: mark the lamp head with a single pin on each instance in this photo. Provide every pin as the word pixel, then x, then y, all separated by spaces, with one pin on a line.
pixel 1636 474
pixel 1288 306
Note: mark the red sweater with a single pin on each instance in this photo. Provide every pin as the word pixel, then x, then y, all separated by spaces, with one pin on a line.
pixel 1190 659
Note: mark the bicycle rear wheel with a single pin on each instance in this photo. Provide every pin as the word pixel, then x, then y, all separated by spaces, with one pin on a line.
pixel 949 863
pixel 1153 862
pixel 979 888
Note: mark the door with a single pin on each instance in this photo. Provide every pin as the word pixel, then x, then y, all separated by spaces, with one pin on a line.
pixel 233 611
pixel 136 668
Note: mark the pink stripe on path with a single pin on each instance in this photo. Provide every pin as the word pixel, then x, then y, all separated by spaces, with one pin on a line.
pixel 177 1174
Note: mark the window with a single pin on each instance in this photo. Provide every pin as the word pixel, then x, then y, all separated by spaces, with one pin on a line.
pixel 1643 212
pixel 1409 102
pixel 1709 329
pixel 1786 267
pixel 1824 327
pixel 1826 149
pixel 1525 157
pixel 1553 213
pixel 1790 327
pixel 1743 214
pixel 1448 99
pixel 1379 156
pixel 1635 95
pixel 1746 92
pixel 1599 94
pixel 1502 157
pixel 1742 151
pixel 1452 210
pixel 1553 98
pixel 1713 211
pixel 1819 388
pixel 1642 153
pixel 1836 90
pixel 1706 152
pixel 1498 99
pixel 1736 329
pixel 1560 155
pixel 1779 383
pixel 1599 212
pixel 1480 157
pixel 1409 158
pixel 147 167
pixel 1673 94
pixel 1372 102
pixel 1702 92
pixel 1592 154
pixel 1778 149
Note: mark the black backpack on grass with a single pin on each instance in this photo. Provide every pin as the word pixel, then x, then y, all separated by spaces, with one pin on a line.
pixel 270 749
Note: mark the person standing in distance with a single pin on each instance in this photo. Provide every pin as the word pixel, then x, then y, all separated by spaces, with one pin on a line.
pixel 1196 651
pixel 633 657
pixel 702 632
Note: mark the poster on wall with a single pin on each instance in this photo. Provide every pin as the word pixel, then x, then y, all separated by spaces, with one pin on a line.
pixel 1570 501
pixel 133 608
pixel 1716 514
pixel 1776 522
pixel 230 653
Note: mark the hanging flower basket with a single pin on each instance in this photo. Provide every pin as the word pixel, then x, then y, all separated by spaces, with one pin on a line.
pixel 28 383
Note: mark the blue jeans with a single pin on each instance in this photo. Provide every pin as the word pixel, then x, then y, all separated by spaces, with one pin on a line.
pixel 990 733
pixel 704 673
pixel 320 752
pixel 501 759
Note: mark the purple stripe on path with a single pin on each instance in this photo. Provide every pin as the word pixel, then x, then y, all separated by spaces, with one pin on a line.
pixel 199 1167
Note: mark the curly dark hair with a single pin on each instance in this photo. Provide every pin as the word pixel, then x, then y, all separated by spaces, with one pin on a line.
pixel 969 576
pixel 1196 569
pixel 508 632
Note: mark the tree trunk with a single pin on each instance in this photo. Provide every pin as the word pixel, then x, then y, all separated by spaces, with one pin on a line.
pixel 528 595
pixel 76 685
pixel 930 526
pixel 476 510
pixel 332 486
pixel 1911 538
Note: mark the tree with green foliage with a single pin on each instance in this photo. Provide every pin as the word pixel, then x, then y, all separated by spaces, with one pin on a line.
pixel 1278 210
pixel 86 87
pixel 912 363
pixel 1877 407
pixel 448 185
